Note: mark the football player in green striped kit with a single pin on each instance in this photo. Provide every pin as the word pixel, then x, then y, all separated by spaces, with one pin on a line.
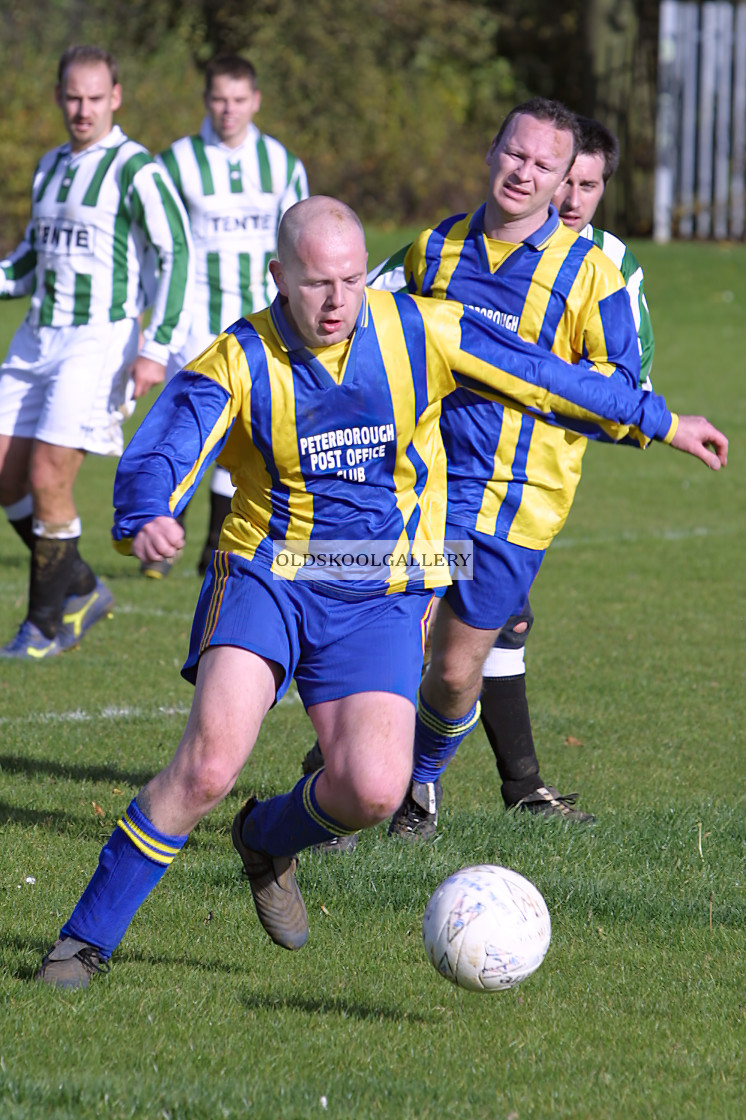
pixel 102 213
pixel 236 183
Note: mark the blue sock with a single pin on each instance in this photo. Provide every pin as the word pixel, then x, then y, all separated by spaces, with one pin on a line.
pixel 286 824
pixel 436 739
pixel 132 861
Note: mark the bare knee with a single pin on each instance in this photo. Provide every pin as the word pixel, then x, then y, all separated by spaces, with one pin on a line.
pixel 451 684
pixel 201 782
pixel 378 802
pixel 363 798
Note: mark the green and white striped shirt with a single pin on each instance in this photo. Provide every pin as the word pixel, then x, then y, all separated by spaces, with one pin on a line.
pixel 235 198
pixel 634 278
pixel 107 238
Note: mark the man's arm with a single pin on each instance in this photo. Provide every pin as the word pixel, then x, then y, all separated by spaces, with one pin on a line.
pixel 182 434
pixel 297 188
pixel 17 271
pixel 495 362
pixel 161 215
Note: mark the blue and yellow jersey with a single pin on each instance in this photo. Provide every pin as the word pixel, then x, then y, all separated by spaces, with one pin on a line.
pixel 344 444
pixel 509 476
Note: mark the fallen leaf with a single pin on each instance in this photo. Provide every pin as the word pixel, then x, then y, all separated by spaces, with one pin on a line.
pixel 571 741
pixel 97 809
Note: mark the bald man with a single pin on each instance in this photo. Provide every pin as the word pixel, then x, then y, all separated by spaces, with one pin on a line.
pixel 325 407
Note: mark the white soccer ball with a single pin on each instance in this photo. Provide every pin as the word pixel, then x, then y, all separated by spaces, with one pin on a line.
pixel 486 928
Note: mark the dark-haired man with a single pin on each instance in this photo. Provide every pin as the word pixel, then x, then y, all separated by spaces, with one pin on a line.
pixel 102 212
pixel 236 183
pixel 507 723
pixel 514 260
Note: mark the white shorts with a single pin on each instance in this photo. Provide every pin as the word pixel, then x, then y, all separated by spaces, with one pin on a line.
pixel 69 386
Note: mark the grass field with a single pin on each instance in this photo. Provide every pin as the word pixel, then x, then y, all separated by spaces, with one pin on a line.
pixel 637 688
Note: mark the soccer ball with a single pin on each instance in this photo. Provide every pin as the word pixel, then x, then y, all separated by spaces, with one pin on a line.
pixel 486 928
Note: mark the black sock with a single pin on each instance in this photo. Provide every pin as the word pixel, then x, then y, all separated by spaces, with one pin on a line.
pixel 24 527
pixel 507 723
pixel 82 579
pixel 53 564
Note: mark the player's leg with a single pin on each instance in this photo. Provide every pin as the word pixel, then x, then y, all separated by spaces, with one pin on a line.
pixel 234 690
pixel 505 712
pixel 447 710
pixel 24 394
pixel 362 708
pixel 55 560
pixel 313 759
pixel 15 498
pixel 469 618
pixel 507 723
pixel 367 750
pixel 92 398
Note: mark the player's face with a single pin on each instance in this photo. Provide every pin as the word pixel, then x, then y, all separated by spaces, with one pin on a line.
pixel 88 99
pixel 527 166
pixel 581 191
pixel 231 104
pixel 323 282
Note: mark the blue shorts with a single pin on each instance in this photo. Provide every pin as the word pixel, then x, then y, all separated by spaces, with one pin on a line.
pixel 503 574
pixel 333 647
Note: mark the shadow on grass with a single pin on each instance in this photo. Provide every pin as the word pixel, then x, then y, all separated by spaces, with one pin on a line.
pixel 43 818
pixel 336 1005
pixel 254 1001
pixel 32 767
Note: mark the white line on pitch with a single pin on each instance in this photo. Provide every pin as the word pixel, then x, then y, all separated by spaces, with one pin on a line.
pixel 80 715
pixel 631 537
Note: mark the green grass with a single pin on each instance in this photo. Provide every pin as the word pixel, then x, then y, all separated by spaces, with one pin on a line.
pixel 637 689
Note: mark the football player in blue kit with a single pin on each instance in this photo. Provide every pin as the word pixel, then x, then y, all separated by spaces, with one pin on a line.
pixel 358 376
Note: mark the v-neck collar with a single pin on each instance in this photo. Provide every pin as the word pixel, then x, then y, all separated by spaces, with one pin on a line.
pixel 534 241
pixel 300 353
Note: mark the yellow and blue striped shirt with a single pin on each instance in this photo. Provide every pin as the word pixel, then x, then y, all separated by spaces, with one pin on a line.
pixel 356 458
pixel 509 476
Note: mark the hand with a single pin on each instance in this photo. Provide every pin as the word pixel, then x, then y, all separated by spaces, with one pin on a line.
pixel 160 539
pixel 698 437
pixel 146 373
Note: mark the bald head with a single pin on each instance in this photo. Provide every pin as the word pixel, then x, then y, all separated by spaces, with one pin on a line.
pixel 319 216
pixel 320 269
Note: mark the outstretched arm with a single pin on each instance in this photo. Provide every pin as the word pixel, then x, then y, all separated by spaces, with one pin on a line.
pixel 698 437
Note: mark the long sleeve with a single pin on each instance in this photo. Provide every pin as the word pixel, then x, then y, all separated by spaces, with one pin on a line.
pixel 169 453
pixel 488 359
pixel 17 271
pixel 159 212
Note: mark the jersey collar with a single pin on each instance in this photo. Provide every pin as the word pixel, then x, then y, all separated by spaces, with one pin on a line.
pixel 112 140
pixel 535 240
pixel 210 136
pixel 298 351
